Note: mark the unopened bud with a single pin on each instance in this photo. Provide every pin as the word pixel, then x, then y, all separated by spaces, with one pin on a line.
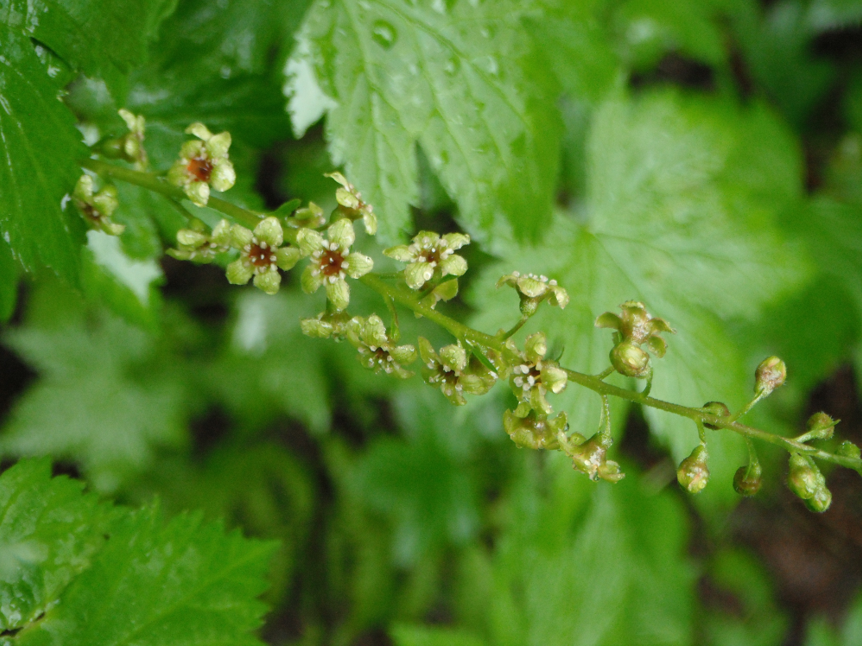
pixel 821 500
pixel 804 479
pixel 591 459
pixel 718 409
pixel 693 473
pixel 848 449
pixel 748 479
pixel 769 375
pixel 821 426
pixel 630 360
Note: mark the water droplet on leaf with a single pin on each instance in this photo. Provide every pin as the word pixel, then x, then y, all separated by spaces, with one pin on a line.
pixel 383 34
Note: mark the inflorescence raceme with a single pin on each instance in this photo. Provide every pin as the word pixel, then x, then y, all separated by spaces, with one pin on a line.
pixel 259 247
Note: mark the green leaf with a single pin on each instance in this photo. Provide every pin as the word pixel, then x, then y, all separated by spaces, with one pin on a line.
pixel 680 215
pixel 105 398
pixel 9 274
pixel 459 79
pixel 41 149
pixel 182 583
pixel 104 38
pixel 49 531
pixel 586 564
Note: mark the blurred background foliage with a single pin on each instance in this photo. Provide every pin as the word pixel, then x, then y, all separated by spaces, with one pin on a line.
pixel 705 157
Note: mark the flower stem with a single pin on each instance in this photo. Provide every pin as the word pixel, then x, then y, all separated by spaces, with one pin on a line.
pixel 483 341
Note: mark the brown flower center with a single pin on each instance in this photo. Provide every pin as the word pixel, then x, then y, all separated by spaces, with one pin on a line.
pixel 201 168
pixel 261 256
pixel 331 262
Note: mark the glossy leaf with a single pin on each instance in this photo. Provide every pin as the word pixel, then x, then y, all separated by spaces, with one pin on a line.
pixel 41 148
pixel 459 79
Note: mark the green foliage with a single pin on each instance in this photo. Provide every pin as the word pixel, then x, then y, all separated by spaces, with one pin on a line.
pixel 62 551
pixel 704 158
pixel 392 75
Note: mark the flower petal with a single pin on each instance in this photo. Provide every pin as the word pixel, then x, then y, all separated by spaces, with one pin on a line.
pixel 357 265
pixel 240 236
pixel 223 175
pixel 346 199
pixel 339 294
pixel 218 145
pixel 456 241
pixel 403 253
pixel 454 265
pixel 287 257
pixel 268 281
pixel 454 356
pixel 426 352
pixel 404 354
pixel 310 241
pixel 198 192
pixel 269 231
pixel 238 273
pixel 311 280
pixel 536 346
pixel 554 378
pixel 341 233
pixel 199 130
pixel 416 274
pixel 609 320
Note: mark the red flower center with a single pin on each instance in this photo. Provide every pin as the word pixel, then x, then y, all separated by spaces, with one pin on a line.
pixel 201 168
pixel 261 257
pixel 331 262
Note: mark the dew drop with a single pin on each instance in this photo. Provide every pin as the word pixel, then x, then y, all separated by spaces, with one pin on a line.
pixel 383 34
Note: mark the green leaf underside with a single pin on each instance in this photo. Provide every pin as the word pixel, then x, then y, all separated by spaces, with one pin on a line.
pixel 680 214
pixel 49 531
pixel 454 78
pixel 184 583
pixel 117 576
pixel 40 150
pixel 104 38
pixel 100 399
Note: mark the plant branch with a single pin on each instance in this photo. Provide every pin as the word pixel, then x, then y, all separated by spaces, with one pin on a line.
pixel 410 300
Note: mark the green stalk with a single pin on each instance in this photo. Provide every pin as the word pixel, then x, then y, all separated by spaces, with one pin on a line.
pixel 410 300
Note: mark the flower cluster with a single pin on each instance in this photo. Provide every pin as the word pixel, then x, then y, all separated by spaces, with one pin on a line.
pixel 533 376
pixel 351 205
pixel 430 254
pixel 377 350
pixel 203 163
pixel 590 457
pixel 635 327
pixel 194 244
pixel 454 372
pixel 97 208
pixel 534 289
pixel 332 261
pixel 261 255
pixel 536 430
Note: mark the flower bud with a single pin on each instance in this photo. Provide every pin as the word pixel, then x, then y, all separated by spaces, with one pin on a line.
pixel 821 426
pixel 590 458
pixel 718 409
pixel 748 479
pixel 630 360
pixel 804 479
pixel 534 431
pixel 693 473
pixel 769 375
pixel 848 449
pixel 821 500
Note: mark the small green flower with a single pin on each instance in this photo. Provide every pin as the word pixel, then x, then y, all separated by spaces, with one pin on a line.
pixel 533 376
pixel 261 255
pixel 203 162
pixel 591 458
pixel 535 430
pixel 132 143
pixel 454 372
pixel 97 208
pixel 326 325
pixel 430 253
pixel 351 205
pixel 693 472
pixel 534 289
pixel 331 261
pixel 194 244
pixel 807 482
pixel 376 350
pixel 636 326
pixel 769 375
